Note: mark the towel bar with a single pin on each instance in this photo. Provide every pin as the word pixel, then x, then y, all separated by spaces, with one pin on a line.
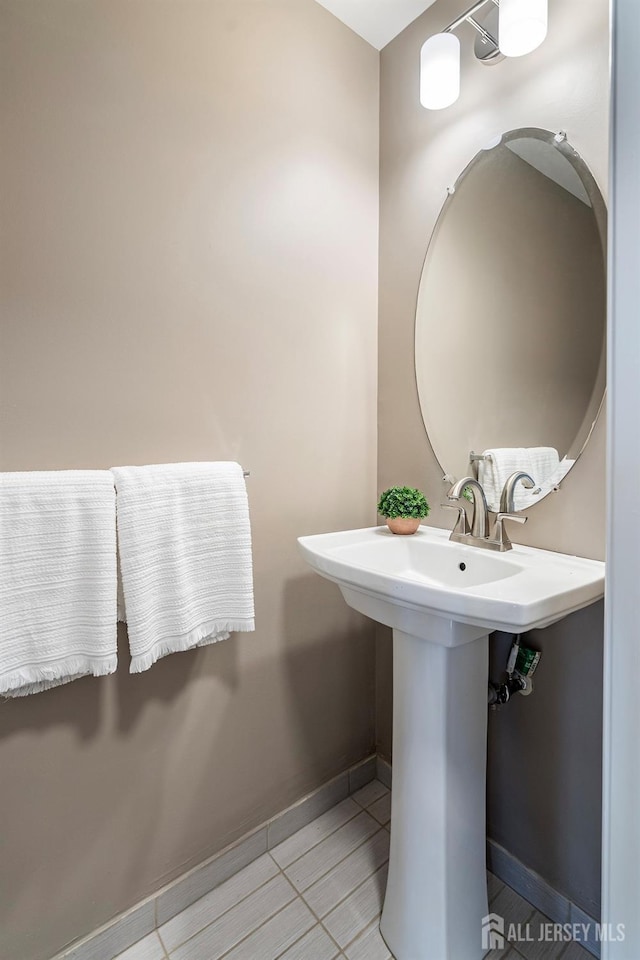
pixel 479 456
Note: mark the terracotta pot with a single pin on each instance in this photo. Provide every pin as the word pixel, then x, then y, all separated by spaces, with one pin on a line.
pixel 403 525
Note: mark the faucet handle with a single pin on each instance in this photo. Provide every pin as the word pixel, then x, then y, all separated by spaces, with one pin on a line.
pixel 500 535
pixel 462 523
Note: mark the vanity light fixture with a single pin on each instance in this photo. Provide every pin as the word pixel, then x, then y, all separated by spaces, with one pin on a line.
pixel 440 71
pixel 520 27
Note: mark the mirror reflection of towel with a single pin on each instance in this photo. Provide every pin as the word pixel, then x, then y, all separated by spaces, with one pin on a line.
pixel 526 498
pixel 542 463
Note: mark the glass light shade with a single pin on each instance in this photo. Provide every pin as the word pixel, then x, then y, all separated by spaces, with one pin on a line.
pixel 440 71
pixel 522 26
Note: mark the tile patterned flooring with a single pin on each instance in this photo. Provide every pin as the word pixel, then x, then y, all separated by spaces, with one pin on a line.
pixel 318 896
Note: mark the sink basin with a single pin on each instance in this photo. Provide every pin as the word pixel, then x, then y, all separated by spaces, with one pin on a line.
pixel 442 599
pixel 515 591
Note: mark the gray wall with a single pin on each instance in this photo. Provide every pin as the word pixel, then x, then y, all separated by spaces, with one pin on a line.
pixel 189 209
pixel 545 753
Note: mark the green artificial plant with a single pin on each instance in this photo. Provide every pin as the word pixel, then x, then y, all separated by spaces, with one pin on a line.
pixel 403 502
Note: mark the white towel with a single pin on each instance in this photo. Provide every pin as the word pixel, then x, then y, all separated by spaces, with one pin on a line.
pixel 543 463
pixel 540 463
pixel 57 578
pixel 496 468
pixel 185 556
pixel 526 498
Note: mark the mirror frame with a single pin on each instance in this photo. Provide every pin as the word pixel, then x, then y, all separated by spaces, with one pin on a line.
pixel 561 143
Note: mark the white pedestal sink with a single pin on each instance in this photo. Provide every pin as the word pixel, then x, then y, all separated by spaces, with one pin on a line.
pixel 442 600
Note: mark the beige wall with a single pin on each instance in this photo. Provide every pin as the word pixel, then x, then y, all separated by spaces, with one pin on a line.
pixel 189 272
pixel 562 86
pixel 190 200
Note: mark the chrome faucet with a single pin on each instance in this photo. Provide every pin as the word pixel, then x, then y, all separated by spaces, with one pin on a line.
pixel 478 536
pixel 507 497
pixel 480 517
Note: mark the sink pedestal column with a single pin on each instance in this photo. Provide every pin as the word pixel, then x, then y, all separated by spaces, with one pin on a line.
pixel 437 888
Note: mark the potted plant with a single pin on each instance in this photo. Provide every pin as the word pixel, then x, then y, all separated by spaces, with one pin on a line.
pixel 403 508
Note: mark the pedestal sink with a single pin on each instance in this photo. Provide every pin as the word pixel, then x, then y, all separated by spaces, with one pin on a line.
pixel 442 599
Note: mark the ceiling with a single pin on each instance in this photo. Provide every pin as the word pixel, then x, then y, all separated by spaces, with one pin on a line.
pixel 377 21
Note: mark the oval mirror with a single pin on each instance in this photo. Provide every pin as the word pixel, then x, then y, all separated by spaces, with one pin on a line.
pixel 511 316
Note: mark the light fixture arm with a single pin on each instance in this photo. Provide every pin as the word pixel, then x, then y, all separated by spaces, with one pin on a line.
pixel 468 17
pixel 486 36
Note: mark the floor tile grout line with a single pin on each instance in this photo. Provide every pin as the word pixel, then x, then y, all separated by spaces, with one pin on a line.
pixel 353 796
pixel 313 913
pixel 378 821
pixel 386 792
pixel 318 842
pixel 305 934
pixel 365 931
pixel 264 922
pixel 328 932
pixel 268 851
pixel 338 862
pixel 220 915
pixel 512 946
pixel 341 952
pixel 353 939
pixel 156 929
pixel 279 868
pixel 563 949
pixel 491 899
pixel 162 943
pixel 321 919
pixel 299 894
pixel 353 889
